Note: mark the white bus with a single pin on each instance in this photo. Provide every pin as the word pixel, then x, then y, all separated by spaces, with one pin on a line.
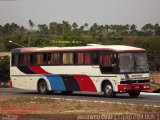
pixel 94 68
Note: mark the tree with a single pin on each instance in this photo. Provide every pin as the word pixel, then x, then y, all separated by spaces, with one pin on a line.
pixel 148 29
pixel 31 24
pixel 66 26
pixel 85 25
pixel 133 29
pixel 53 28
pixel 43 28
pixel 94 29
pixel 107 27
pixel 74 26
pixel 157 29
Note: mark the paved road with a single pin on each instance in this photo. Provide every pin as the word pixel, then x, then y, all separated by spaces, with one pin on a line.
pixel 123 98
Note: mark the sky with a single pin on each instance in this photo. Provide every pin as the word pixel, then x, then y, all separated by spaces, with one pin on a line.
pixel 109 12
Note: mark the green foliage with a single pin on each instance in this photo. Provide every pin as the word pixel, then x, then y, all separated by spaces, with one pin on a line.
pixel 71 34
pixel 4 70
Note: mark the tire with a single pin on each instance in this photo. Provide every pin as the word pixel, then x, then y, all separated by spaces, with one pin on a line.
pixel 42 87
pixel 134 94
pixel 108 90
pixel 66 92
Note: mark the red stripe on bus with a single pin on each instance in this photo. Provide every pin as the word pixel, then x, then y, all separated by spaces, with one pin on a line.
pixel 38 69
pixel 85 83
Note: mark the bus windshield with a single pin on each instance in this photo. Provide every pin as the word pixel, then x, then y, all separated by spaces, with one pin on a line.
pixel 133 62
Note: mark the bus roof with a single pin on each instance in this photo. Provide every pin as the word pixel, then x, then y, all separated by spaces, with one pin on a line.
pixel 113 48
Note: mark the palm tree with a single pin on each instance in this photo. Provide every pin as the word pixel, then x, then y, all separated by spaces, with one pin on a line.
pixel 43 28
pixel 85 25
pixel 133 29
pixel 157 29
pixel 53 28
pixel 66 26
pixel 94 29
pixel 107 27
pixel 31 24
pixel 148 28
pixel 74 26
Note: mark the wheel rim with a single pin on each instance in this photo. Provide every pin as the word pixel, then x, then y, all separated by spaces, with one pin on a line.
pixel 108 89
pixel 43 87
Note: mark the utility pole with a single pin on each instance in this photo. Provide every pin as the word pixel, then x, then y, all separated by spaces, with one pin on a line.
pixel 29 40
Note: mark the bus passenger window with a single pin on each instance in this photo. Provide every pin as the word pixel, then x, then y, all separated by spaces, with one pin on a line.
pixel 15 59
pixel 54 58
pixel 105 60
pixel 57 58
pixel 26 59
pixel 67 58
pixel 87 58
pixel 80 58
pixel 40 58
pixel 84 58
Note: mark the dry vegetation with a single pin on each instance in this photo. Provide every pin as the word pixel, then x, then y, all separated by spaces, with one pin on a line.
pixel 65 109
pixel 155 77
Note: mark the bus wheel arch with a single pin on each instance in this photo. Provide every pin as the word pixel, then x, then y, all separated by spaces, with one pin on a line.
pixel 107 88
pixel 42 86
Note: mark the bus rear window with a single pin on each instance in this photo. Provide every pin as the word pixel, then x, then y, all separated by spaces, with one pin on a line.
pixel 15 59
pixel 26 59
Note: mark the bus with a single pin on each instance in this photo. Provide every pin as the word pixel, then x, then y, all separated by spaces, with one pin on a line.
pixel 109 69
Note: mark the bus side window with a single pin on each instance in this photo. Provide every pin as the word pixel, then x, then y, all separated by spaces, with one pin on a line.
pixel 80 58
pixel 15 59
pixel 87 58
pixel 40 58
pixel 95 58
pixel 68 58
pixel 84 58
pixel 57 58
pixel 54 58
pixel 105 60
pixel 26 59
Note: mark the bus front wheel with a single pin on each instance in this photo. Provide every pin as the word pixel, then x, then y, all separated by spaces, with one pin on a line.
pixel 108 90
pixel 42 87
pixel 134 94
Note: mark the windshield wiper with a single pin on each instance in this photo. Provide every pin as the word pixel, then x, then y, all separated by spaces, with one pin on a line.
pixel 139 68
pixel 136 66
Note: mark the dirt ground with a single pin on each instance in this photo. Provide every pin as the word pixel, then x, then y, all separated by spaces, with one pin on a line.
pixel 28 108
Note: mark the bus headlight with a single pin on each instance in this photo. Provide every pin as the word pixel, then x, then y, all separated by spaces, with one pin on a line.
pixel 146 86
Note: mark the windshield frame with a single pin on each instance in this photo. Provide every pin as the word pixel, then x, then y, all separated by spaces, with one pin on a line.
pixel 137 68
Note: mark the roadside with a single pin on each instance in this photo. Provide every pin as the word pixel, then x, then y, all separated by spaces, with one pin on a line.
pixel 34 108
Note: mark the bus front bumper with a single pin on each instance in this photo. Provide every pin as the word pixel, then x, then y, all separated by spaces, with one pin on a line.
pixel 133 87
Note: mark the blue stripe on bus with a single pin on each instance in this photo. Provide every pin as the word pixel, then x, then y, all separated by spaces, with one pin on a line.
pixel 56 82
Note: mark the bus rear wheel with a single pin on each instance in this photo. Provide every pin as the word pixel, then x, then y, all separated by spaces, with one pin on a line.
pixel 108 90
pixel 42 87
pixel 134 94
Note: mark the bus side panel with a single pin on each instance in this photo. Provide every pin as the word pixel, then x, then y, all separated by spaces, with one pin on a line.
pixel 71 83
pixel 56 82
pixel 85 83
